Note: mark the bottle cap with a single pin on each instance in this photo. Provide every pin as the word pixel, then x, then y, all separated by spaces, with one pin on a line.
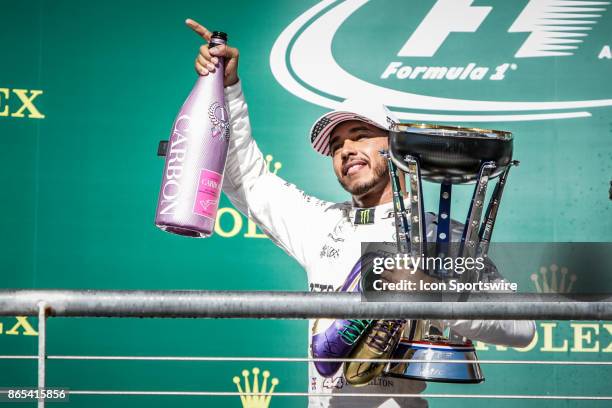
pixel 219 34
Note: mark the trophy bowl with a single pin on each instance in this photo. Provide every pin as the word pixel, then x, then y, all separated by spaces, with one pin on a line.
pixel 460 362
pixel 450 154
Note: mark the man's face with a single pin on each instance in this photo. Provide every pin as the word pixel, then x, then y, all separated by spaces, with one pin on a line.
pixel 355 147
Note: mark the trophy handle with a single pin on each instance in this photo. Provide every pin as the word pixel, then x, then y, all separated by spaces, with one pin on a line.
pixel 443 234
pixel 472 224
pixel 486 229
pixel 418 237
pixel 399 210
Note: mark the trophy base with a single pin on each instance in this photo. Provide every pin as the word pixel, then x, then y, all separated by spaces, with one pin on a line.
pixel 464 368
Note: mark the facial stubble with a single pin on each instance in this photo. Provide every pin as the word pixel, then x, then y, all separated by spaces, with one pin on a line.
pixel 380 171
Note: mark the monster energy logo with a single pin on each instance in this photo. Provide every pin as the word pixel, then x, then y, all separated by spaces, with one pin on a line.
pixel 364 216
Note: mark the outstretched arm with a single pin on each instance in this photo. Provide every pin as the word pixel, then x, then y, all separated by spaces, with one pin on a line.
pixel 511 333
pixel 281 210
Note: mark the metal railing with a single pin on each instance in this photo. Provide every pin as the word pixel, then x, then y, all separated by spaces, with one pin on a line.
pixel 303 305
pixel 295 305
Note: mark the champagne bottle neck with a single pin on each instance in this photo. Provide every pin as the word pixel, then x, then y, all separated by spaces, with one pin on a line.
pixel 215 41
pixel 218 38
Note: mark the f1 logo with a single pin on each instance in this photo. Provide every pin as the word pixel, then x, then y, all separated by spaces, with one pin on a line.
pixel 445 17
pixel 555 27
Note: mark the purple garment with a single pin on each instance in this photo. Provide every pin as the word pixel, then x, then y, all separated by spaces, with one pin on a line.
pixel 337 338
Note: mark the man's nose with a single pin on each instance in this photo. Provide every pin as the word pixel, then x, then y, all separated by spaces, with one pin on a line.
pixel 348 148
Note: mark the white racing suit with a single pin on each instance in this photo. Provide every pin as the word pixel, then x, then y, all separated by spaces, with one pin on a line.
pixel 325 238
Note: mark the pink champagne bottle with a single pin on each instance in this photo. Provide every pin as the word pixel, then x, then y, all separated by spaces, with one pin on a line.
pixel 195 158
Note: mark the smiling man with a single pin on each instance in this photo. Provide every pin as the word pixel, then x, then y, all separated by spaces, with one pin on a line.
pixel 359 167
pixel 353 136
pixel 325 237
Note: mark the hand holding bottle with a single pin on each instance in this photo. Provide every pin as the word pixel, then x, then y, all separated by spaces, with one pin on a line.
pixel 208 58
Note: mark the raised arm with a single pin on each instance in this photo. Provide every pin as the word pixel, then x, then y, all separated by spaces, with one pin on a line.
pixel 279 208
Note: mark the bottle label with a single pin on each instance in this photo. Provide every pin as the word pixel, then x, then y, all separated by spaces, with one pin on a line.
pixel 209 191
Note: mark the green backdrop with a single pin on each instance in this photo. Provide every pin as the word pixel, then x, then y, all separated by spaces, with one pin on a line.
pixel 80 179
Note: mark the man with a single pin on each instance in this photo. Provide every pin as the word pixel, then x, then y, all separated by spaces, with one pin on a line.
pixel 324 237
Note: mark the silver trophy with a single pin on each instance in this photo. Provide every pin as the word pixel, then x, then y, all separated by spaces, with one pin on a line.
pixel 445 155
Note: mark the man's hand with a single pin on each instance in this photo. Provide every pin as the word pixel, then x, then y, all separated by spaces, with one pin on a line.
pixel 208 59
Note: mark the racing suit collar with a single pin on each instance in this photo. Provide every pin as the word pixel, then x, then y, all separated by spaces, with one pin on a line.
pixel 379 212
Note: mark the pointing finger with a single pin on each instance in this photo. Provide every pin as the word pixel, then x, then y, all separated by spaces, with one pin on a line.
pixel 199 29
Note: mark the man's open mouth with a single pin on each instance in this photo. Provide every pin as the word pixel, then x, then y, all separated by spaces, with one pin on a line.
pixel 353 167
